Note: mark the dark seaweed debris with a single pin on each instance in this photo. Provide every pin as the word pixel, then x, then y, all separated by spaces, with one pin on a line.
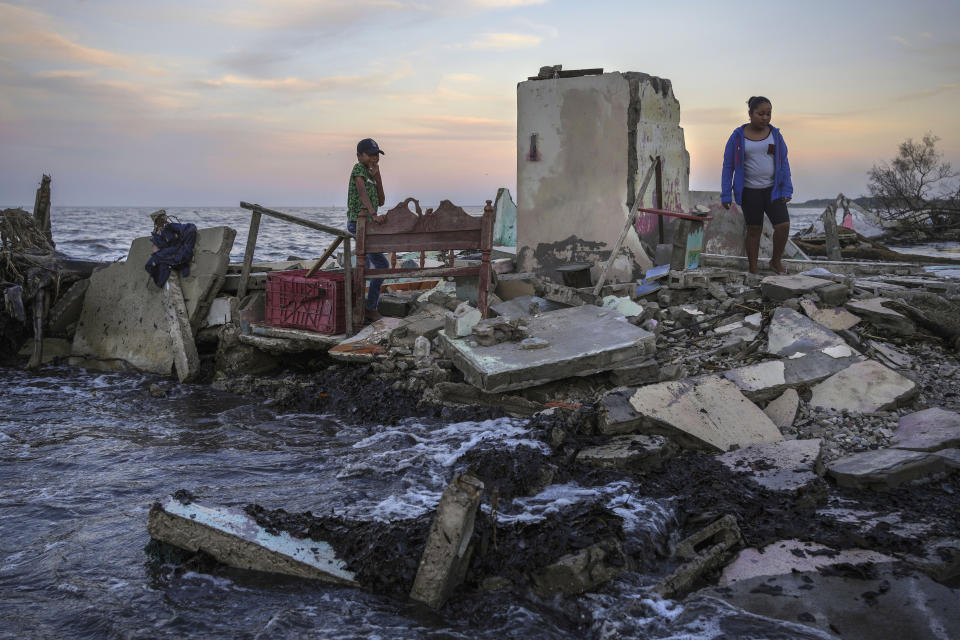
pixel 383 555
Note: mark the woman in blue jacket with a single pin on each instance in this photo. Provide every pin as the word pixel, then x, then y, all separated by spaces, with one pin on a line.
pixel 756 174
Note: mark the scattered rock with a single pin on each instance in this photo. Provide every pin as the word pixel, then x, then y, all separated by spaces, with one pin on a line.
pixel 637 453
pixel 783 410
pixel 928 430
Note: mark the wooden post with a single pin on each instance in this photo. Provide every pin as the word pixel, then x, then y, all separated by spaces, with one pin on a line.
pixel 185 356
pixel 248 254
pixel 659 199
pixel 348 287
pixel 626 228
pixel 830 233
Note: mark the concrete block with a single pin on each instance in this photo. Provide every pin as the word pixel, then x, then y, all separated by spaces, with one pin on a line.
pixel 704 551
pixel 579 572
pixel 783 410
pixel 791 286
pixel 787 556
pixel 636 453
pixel 885 468
pixel 235 539
pixel 460 323
pixel 788 466
pixel 874 312
pixel 447 553
pixel 833 295
pixel 863 386
pixel 220 312
pixel 616 414
pixel 582 340
pixel 927 430
pixel 645 372
pixel 709 412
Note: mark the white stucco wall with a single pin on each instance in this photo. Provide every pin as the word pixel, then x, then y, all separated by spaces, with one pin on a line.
pixel 572 199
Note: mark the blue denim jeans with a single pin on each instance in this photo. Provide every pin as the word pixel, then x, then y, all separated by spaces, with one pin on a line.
pixel 373 261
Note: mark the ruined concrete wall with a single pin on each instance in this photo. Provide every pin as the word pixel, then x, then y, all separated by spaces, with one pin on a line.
pixel 583 144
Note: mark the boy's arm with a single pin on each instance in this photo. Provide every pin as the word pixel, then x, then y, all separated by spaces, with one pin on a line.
pixel 378 177
pixel 362 192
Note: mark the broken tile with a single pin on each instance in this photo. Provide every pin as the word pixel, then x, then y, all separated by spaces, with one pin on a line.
pixel 836 319
pixel 791 333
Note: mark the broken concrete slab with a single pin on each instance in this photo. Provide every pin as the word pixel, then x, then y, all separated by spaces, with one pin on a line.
pixel 928 430
pixel 462 394
pixel 780 288
pixel 123 323
pixel 316 341
pixel 579 572
pixel 789 466
pixel 446 555
pixel 885 468
pixel 525 306
pixel 234 538
pixel 768 379
pixel 221 312
pixel 583 341
pixel 783 410
pixel 836 319
pixel 639 373
pixel 874 312
pixel 863 386
pixel 616 414
pixel 186 360
pixel 637 453
pixel 851 604
pixel 790 333
pixel 787 556
pixel 707 412
pixel 368 343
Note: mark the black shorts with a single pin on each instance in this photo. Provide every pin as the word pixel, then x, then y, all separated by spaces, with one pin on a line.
pixel 757 201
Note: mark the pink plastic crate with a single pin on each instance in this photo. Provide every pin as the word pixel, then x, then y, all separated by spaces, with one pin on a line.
pixel 315 303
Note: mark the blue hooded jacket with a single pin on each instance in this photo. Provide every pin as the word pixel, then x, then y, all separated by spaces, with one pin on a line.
pixel 732 176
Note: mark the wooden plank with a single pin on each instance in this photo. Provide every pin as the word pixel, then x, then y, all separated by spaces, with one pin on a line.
pixel 248 253
pixel 295 220
pixel 626 228
pixel 348 287
pixel 329 252
pixel 185 356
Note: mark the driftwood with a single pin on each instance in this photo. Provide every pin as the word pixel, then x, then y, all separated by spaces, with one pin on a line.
pixel 32 276
pixel 934 313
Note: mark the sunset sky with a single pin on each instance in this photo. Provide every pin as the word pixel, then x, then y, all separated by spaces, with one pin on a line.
pixel 179 103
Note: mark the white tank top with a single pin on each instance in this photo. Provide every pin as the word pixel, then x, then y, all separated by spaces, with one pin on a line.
pixel 758 162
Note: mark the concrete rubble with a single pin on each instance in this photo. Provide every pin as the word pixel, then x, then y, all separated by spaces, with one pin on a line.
pixel 447 552
pixel 234 538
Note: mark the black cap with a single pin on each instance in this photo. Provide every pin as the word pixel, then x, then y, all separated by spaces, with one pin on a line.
pixel 368 146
